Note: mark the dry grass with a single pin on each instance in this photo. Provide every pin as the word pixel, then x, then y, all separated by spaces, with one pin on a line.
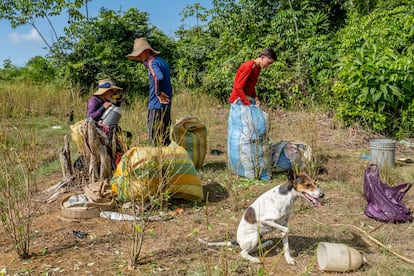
pixel 171 247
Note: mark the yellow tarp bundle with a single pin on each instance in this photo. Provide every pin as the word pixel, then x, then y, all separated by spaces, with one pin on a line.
pixel 77 134
pixel 191 134
pixel 146 171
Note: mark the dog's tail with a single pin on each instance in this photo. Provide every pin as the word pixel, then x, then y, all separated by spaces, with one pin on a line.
pixel 224 243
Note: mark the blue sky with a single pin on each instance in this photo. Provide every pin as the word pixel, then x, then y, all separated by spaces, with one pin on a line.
pixel 23 43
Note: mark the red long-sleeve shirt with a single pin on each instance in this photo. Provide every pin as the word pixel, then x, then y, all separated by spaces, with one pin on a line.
pixel 245 82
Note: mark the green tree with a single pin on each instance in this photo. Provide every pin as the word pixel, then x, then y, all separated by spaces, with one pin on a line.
pixel 98 47
pixel 196 10
pixel 242 28
pixel 39 69
pixel 10 71
pixel 192 46
pixel 375 72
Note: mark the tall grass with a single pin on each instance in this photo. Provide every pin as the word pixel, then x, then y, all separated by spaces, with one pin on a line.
pixel 17 207
pixel 23 109
pixel 24 99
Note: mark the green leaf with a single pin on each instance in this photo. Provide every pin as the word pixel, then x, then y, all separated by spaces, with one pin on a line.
pixel 3 218
pixel 395 90
pixel 138 228
pixel 364 93
pixel 194 232
pixel 375 96
pixel 383 88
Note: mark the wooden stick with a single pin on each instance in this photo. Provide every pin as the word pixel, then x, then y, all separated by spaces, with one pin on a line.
pixel 54 196
pixel 65 160
pixel 372 239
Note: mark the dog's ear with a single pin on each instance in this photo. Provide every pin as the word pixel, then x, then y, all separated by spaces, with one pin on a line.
pixel 291 175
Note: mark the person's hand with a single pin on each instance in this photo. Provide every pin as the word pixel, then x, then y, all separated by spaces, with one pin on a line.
pixel 256 99
pixel 163 98
pixel 107 104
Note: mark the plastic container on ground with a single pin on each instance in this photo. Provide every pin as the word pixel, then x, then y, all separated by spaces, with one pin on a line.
pixel 338 257
pixel 117 216
pixel 383 152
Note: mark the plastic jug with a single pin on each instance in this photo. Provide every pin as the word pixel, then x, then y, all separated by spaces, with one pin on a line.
pixel 338 257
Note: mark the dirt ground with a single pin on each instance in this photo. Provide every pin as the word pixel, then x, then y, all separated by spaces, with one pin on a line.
pixel 171 247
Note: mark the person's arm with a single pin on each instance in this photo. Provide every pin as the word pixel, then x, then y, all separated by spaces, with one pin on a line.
pixel 95 108
pixel 158 76
pixel 240 81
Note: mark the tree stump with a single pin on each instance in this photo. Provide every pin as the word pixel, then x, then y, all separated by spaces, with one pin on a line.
pixel 97 153
pixel 94 163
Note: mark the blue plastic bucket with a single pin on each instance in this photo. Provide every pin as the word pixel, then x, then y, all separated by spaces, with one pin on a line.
pixel 383 152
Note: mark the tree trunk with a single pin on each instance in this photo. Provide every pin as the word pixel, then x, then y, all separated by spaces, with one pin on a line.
pixel 65 160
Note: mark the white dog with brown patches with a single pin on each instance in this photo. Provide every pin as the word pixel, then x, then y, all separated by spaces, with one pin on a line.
pixel 271 211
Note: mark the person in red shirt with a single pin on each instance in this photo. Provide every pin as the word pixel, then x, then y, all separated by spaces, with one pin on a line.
pixel 244 87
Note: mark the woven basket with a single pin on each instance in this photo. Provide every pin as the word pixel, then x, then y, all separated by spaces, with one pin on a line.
pixel 91 211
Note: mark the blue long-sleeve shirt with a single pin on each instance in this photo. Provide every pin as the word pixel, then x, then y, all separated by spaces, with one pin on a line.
pixel 159 81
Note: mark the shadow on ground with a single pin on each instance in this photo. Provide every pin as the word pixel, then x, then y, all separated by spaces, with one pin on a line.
pixel 214 192
pixel 299 244
pixel 215 166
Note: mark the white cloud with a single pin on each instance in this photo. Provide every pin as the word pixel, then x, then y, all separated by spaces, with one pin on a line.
pixel 19 37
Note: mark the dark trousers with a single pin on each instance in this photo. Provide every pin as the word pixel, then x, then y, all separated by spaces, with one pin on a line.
pixel 159 123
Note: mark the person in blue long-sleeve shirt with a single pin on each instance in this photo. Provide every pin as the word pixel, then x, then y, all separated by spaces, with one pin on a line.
pixel 160 91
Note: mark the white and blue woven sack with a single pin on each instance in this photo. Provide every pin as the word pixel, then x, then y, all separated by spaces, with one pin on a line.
pixel 247 141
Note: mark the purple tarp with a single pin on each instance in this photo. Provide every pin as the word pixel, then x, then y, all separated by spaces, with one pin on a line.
pixel 384 202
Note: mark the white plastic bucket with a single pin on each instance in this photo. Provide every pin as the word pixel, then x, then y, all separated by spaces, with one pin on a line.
pixel 338 257
pixel 382 152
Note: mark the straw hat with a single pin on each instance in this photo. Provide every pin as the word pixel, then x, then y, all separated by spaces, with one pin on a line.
pixel 105 85
pixel 140 45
